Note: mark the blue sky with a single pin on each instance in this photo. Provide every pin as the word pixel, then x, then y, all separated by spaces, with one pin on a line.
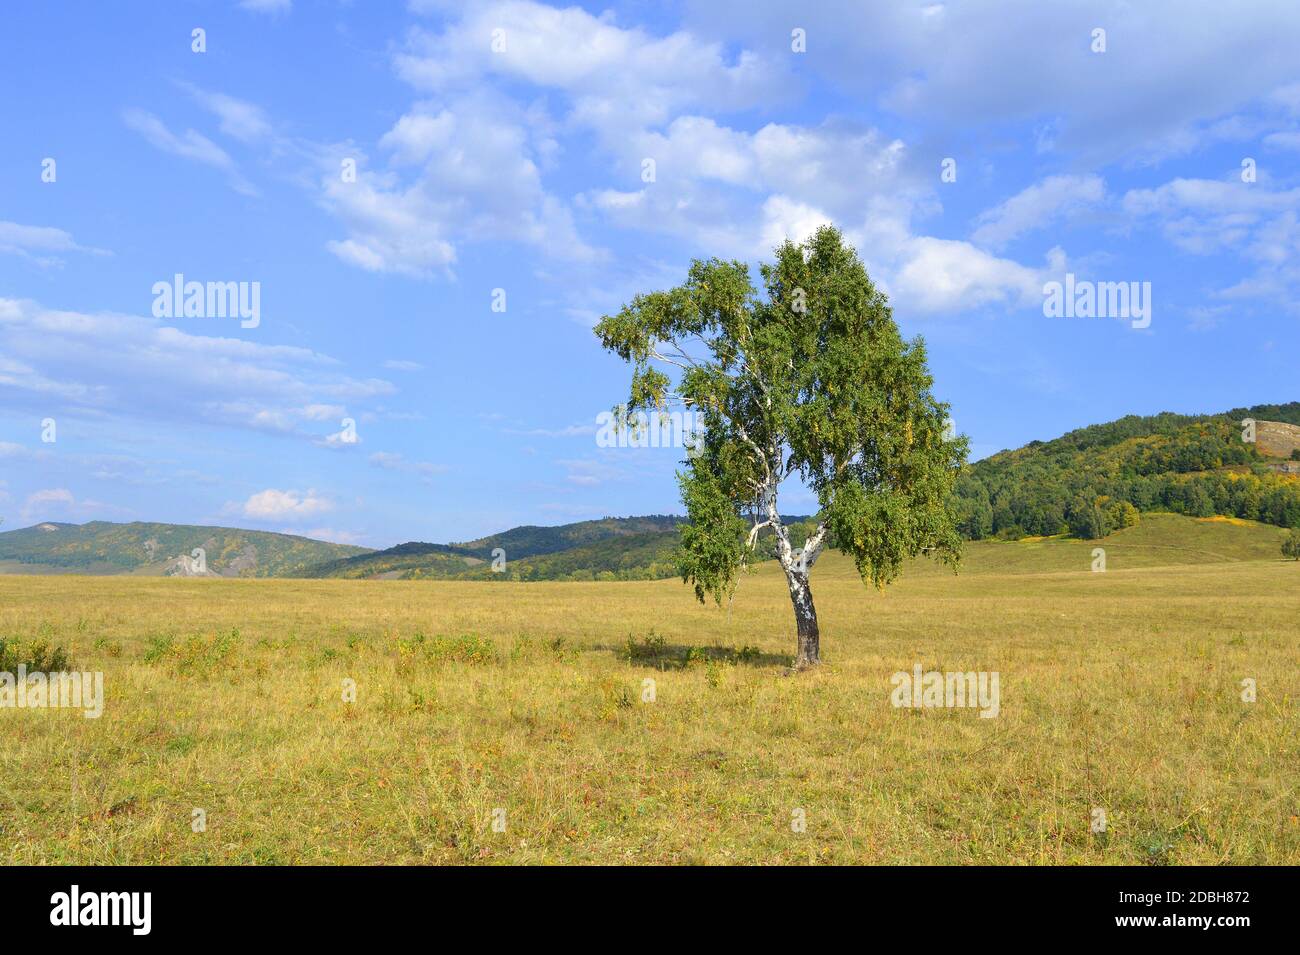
pixel 521 168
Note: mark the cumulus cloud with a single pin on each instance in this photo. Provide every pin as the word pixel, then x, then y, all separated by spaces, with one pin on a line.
pixel 466 172
pixel 276 505
pixel 618 78
pixel 943 274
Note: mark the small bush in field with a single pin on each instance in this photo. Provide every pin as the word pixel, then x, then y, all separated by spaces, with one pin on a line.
pixel 195 654
pixel 1291 546
pixel 650 647
pixel 37 655
pixel 466 648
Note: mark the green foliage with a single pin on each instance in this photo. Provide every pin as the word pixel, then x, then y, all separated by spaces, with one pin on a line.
pixel 1087 520
pixel 713 546
pixel 647 556
pixel 810 379
pixel 652 647
pixel 1291 546
pixel 195 654
pixel 1097 479
pixel 1122 514
pixel 463 648
pixel 37 655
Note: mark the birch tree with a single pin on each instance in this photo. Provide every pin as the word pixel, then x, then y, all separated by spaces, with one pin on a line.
pixel 808 382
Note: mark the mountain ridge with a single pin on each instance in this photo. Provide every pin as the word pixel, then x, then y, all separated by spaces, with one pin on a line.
pixel 152 548
pixel 1086 483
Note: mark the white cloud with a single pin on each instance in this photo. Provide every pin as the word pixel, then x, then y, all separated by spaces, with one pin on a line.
pixel 1286 140
pixel 568 431
pixel 1207 216
pixel 946 275
pixel 618 78
pixel 587 472
pixel 52 503
pixel 108 364
pixel 277 505
pixel 237 118
pixel 1173 69
pixel 392 461
pixel 189 145
pixel 41 243
pixel 267 6
pixel 1037 206
pixel 471 171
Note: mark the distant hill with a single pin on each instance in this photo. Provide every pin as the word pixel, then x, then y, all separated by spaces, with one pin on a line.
pixel 149 549
pixel 642 556
pixel 1160 485
pixel 613 548
pixel 1098 479
pixel 586 548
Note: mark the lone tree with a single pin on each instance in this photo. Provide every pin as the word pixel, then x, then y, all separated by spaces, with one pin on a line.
pixel 810 380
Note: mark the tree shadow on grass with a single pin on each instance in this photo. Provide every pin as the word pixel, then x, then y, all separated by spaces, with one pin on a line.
pixel 654 651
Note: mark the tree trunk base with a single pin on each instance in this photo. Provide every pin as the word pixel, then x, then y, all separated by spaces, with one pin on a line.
pixel 808 651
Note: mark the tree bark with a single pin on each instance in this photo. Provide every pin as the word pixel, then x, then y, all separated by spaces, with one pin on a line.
pixel 805 617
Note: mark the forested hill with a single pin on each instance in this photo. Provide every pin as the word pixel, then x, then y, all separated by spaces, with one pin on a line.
pixel 583 550
pixel 1098 479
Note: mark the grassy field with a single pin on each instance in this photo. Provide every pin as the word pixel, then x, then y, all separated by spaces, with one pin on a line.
pixel 1119 691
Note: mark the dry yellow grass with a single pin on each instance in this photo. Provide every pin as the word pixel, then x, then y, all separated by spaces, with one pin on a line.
pixel 1119 691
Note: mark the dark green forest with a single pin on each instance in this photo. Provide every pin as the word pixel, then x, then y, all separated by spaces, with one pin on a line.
pixel 1098 479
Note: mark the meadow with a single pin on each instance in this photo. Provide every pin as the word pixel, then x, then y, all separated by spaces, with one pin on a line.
pixel 1120 691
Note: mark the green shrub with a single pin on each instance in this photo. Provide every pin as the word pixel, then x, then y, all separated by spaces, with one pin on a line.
pixel 697 655
pixel 38 656
pixel 195 654
pixel 466 648
pixel 1291 546
pixel 650 647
